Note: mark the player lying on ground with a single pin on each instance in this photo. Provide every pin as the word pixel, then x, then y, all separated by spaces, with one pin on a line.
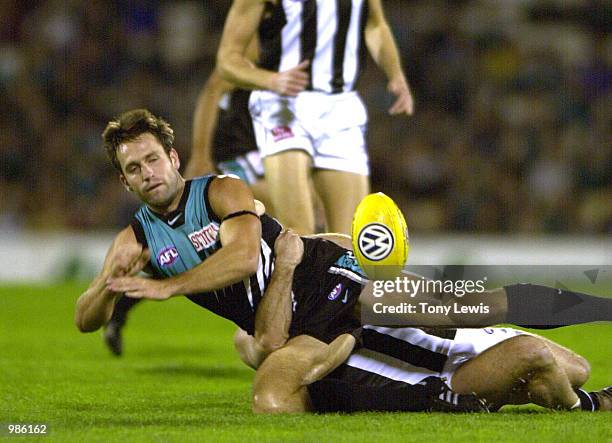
pixel 208 243
pixel 500 365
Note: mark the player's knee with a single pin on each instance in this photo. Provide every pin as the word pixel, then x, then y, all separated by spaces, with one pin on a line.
pixel 581 372
pixel 536 356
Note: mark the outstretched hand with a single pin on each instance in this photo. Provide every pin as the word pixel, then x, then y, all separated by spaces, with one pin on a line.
pixel 289 248
pixel 140 287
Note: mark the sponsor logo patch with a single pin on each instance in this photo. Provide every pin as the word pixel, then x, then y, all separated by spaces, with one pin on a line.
pixel 167 256
pixel 205 237
pixel 282 132
pixel 335 293
pixel 375 241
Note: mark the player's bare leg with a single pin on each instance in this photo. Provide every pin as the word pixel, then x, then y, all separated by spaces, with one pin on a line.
pixel 280 382
pixel 260 192
pixel 576 367
pixel 340 193
pixel 287 175
pixel 520 370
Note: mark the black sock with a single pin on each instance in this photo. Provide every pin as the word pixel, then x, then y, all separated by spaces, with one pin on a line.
pixel 543 307
pixel 122 307
pixel 335 395
pixel 588 402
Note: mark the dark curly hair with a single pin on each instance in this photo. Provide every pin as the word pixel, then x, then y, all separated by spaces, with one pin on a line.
pixel 129 126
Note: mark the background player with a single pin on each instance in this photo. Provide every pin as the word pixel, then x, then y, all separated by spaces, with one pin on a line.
pixel 308 118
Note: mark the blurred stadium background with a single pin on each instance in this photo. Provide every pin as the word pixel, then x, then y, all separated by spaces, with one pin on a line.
pixel 507 160
pixel 512 133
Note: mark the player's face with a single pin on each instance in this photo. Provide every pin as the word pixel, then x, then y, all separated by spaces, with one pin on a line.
pixel 149 172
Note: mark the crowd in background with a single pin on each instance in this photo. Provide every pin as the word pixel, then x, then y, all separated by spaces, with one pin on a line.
pixel 512 129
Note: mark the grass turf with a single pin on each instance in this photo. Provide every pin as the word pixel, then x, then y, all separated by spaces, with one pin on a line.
pixel 180 380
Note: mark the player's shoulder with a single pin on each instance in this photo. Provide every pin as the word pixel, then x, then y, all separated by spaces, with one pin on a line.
pixel 226 187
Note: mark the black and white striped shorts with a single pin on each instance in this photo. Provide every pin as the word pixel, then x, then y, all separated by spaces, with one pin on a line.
pixel 409 355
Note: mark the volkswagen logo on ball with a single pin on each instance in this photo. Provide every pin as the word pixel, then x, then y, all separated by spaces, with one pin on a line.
pixel 375 241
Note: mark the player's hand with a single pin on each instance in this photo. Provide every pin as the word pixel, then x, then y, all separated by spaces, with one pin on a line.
pixel 289 248
pixel 404 103
pixel 139 287
pixel 292 81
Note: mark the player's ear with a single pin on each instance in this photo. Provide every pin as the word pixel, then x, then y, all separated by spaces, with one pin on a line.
pixel 125 183
pixel 174 158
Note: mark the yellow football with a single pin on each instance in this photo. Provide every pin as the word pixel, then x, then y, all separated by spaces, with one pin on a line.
pixel 380 237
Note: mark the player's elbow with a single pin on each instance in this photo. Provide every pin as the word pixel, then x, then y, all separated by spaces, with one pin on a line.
pixel 81 321
pixel 269 343
pixel 82 325
pixel 224 66
pixel 250 261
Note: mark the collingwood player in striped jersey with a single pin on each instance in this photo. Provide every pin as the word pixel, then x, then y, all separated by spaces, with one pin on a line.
pixel 211 220
pixel 204 239
pixel 308 118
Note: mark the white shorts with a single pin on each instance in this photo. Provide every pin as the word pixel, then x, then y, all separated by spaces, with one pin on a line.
pixel 410 355
pixel 329 127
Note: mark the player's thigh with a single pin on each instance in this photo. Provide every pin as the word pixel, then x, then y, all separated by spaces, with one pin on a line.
pixel 340 192
pixel 278 386
pixel 260 192
pixel 287 175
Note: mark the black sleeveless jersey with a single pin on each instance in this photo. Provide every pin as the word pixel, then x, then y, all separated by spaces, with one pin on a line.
pixel 234 135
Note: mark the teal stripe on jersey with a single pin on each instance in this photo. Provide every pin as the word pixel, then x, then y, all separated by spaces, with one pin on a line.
pixel 348 262
pixel 176 249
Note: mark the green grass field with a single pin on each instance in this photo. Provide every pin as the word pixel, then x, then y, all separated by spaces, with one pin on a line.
pixel 180 380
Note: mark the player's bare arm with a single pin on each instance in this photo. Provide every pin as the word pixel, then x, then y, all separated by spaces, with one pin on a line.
pixel 238 258
pixel 341 240
pixel 125 257
pixel 204 122
pixel 233 55
pixel 205 119
pixel 274 313
pixel 382 47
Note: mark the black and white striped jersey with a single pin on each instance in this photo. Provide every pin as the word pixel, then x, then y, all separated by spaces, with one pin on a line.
pixel 234 135
pixel 329 33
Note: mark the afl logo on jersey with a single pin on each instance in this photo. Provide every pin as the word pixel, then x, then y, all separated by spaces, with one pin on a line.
pixel 375 241
pixel 335 293
pixel 167 256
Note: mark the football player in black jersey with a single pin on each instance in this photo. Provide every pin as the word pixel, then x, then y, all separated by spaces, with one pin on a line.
pixel 140 146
